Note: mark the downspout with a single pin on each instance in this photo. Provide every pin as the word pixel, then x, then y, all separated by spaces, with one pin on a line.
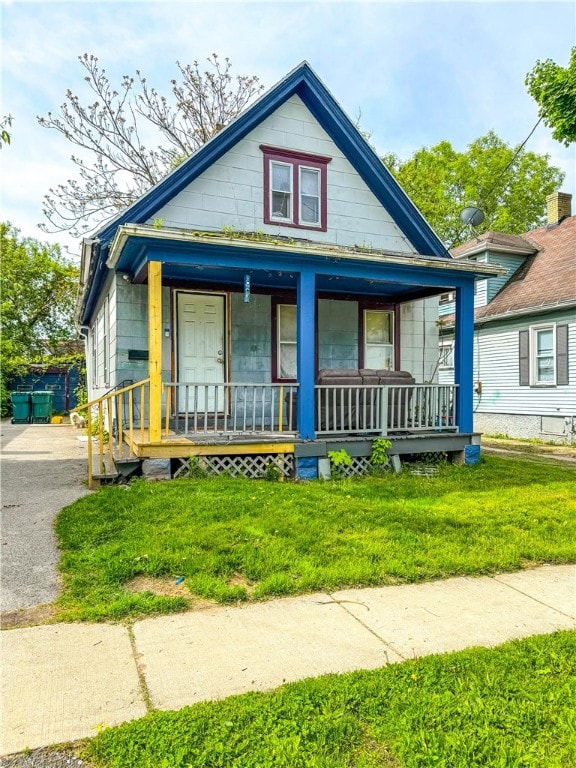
pixel 87 254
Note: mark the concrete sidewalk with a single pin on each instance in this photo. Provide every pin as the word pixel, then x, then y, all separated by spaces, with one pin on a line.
pixel 62 682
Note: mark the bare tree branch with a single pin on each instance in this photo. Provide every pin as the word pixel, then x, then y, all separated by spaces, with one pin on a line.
pixel 114 165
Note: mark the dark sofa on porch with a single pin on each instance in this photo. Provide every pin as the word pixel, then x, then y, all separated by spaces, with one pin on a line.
pixel 348 399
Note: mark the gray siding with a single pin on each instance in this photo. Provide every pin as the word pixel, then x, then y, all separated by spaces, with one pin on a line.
pixel 510 263
pixel 419 350
pixel 337 334
pixel 496 366
pixel 132 330
pixel 231 192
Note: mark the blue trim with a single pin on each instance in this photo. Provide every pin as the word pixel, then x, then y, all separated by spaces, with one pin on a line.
pixel 305 83
pixel 306 340
pixel 239 257
pixel 464 357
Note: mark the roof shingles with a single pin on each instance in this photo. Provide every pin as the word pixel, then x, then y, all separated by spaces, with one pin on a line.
pixel 546 279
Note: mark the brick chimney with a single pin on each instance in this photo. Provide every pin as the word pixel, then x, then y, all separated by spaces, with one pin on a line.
pixel 559 207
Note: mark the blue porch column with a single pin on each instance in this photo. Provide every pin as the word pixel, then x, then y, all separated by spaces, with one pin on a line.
pixel 305 355
pixel 464 357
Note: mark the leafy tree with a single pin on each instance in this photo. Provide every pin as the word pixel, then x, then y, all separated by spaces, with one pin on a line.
pixel 38 294
pixel 554 89
pixel 131 136
pixel 509 185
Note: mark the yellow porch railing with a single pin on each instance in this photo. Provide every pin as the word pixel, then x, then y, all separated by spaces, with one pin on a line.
pixel 113 421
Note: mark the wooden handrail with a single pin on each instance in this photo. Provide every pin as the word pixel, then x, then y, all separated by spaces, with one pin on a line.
pixel 112 393
pixel 109 398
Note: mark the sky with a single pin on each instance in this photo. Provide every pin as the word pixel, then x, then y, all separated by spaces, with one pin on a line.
pixel 413 73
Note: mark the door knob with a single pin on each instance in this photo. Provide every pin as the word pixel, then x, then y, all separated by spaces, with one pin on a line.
pixel 220 360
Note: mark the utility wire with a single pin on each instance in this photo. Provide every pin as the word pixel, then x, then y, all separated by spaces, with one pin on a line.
pixel 514 156
pixel 498 180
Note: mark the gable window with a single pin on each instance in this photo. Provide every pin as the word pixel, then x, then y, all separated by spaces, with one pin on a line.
pixel 281 192
pixel 295 188
pixel 543 355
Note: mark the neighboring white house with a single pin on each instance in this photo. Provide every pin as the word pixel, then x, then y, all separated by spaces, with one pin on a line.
pixel 524 330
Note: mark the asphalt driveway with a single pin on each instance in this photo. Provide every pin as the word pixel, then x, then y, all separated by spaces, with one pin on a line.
pixel 43 469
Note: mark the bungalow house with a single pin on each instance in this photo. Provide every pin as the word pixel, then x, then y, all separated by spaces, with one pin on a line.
pixel 272 299
pixel 524 329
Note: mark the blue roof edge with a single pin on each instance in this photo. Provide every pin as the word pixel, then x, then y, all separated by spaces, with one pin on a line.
pixel 304 82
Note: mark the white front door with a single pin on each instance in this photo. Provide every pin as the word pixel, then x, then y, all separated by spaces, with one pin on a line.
pixel 201 350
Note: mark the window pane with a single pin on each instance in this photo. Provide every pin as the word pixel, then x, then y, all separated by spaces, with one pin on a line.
pixel 287 355
pixel 309 196
pixel 447 356
pixel 287 322
pixel 379 357
pixel 280 205
pixel 281 177
pixel 309 182
pixel 545 369
pixel 310 210
pixel 378 327
pixel 544 342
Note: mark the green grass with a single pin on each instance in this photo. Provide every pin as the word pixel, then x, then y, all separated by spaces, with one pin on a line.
pixel 508 707
pixel 243 539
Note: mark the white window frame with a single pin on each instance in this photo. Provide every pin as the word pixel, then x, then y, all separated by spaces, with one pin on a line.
pixel 280 343
pixel 275 217
pixel 534 356
pixel 318 196
pixel 380 345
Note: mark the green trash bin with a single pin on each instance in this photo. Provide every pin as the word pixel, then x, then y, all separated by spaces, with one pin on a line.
pixel 20 407
pixel 42 406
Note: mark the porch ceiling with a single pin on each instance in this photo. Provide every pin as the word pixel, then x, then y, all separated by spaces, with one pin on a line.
pixel 280 280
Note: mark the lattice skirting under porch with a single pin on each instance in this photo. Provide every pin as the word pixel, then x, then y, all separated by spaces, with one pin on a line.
pixel 360 466
pixel 252 466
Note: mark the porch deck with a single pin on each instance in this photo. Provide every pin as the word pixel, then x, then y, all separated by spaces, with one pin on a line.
pixel 259 423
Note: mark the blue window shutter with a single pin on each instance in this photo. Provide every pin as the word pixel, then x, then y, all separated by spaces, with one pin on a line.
pixel 524 358
pixel 561 355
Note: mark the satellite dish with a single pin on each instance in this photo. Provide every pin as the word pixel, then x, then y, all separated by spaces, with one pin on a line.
pixel 472 216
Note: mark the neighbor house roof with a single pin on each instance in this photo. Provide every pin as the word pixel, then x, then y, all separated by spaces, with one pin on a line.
pixel 494 241
pixel 547 278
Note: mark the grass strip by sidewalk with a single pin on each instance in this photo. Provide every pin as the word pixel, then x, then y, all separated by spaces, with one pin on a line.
pixel 233 539
pixel 508 707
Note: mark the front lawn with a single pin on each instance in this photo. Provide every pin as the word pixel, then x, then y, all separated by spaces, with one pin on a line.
pixel 509 707
pixel 232 539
